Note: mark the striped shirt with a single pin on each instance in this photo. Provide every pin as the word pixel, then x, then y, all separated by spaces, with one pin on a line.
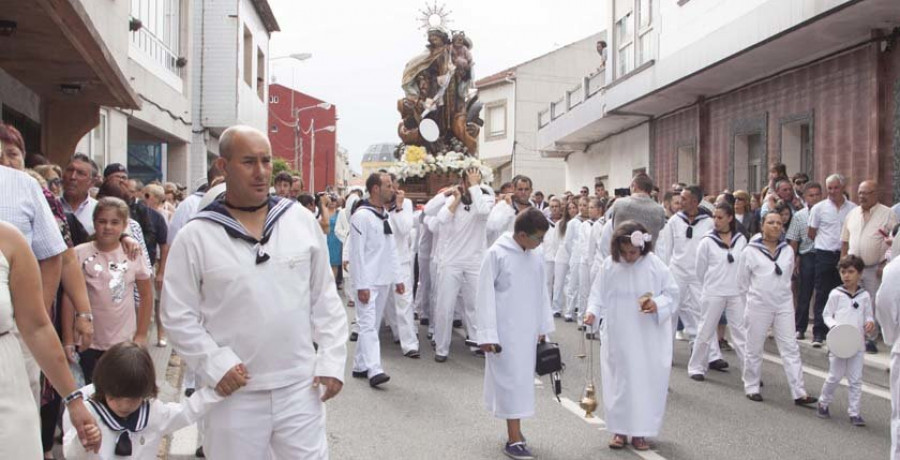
pixel 797 231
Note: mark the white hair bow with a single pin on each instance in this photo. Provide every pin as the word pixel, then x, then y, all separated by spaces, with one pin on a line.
pixel 639 238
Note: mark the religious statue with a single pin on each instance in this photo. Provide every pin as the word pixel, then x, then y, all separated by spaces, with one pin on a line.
pixel 438 91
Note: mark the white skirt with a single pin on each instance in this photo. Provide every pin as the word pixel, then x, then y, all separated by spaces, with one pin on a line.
pixel 20 437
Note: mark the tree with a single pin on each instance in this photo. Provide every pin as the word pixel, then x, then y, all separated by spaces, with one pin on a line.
pixel 279 165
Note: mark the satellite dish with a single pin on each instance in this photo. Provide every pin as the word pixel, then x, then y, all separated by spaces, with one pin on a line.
pixel 211 195
pixel 429 130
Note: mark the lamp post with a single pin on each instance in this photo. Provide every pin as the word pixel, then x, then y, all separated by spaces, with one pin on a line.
pixel 312 167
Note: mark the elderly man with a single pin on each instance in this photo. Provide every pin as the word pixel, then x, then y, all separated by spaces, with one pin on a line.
pixel 248 289
pixel 784 191
pixel 826 220
pixel 78 178
pixel 865 234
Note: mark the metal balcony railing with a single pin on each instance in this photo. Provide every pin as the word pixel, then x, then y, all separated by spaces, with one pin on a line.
pixel 153 47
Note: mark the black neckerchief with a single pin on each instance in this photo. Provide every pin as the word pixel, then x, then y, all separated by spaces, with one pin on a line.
pixel 852 297
pixel 714 235
pixel 384 216
pixel 134 423
pixel 758 244
pixel 247 208
pixel 218 213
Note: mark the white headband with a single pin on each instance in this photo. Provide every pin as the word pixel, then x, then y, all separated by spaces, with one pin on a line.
pixel 639 238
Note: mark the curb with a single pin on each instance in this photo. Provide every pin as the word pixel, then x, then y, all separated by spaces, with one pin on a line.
pixel 875 373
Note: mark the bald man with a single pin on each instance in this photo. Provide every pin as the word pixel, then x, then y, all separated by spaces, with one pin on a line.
pixel 865 233
pixel 248 289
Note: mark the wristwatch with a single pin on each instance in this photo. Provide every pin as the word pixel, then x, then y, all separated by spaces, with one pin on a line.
pixel 77 394
pixel 87 316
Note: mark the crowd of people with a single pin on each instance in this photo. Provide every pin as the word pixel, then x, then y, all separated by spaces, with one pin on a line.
pixel 243 276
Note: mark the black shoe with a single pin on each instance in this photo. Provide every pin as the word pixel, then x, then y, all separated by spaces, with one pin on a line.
pixel 719 365
pixel 569 319
pixel 424 322
pixel 756 397
pixel 354 336
pixel 457 323
pixel 817 342
pixel 806 400
pixel 870 347
pixel 440 358
pixel 360 374
pixel 479 353
pixel 379 379
pixel 557 315
pixel 188 392
pixel 801 335
pixel 199 453
pixel 415 316
pixel 430 336
pixel 698 377
pixel 396 341
pixel 414 354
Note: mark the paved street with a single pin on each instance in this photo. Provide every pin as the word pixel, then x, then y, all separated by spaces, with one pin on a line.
pixel 434 411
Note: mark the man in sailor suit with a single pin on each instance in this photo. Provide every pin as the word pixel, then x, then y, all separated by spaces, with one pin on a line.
pixel 248 290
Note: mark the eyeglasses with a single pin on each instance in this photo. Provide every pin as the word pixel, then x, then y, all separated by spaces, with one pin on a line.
pixel 54 182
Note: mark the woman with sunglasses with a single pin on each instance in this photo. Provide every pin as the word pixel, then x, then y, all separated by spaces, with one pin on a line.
pixel 765 277
pixel 718 256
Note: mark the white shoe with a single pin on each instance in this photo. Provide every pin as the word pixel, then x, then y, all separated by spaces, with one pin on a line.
pixel 681 336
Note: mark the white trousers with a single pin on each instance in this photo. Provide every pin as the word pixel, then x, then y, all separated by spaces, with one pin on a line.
pixel 402 321
pixel 895 406
pixel 584 286
pixel 549 272
pixel 688 309
pixel 782 322
pixel 423 305
pixel 707 341
pixel 560 273
pixel 838 368
pixel 453 283
pixel 285 423
pixel 573 290
pixel 368 316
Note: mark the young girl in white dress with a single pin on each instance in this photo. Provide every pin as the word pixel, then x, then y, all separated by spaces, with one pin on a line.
pixel 632 301
pixel 131 420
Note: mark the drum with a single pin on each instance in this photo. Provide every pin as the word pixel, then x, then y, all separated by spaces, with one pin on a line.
pixel 845 340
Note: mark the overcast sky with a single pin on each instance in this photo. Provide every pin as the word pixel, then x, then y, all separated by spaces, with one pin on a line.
pixel 359 49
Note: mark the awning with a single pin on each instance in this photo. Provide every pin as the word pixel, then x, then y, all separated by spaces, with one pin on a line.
pixel 56 51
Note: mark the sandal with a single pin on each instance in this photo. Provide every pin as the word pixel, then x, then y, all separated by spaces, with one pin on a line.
pixel 640 443
pixel 618 441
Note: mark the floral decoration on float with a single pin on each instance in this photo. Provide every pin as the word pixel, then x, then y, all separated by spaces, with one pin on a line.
pixel 416 162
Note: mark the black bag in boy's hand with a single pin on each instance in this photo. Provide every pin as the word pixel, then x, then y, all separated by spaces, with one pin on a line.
pixel 548 359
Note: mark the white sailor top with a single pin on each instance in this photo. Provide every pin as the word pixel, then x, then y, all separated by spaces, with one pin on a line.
pixel 679 240
pixel 843 307
pixel 374 257
pixel 138 435
pixel 718 262
pixel 766 277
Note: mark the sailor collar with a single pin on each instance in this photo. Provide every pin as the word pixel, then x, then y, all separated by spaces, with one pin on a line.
pixel 852 297
pixel 218 213
pixel 379 212
pixel 135 422
pixel 700 216
pixel 759 245
pixel 735 236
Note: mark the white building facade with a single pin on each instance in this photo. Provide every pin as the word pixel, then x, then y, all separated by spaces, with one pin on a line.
pixel 508 140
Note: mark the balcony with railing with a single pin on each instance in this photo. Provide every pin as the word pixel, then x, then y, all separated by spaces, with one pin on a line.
pixel 590 86
pixel 151 52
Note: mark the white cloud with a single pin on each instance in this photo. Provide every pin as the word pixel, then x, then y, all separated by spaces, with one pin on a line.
pixel 360 47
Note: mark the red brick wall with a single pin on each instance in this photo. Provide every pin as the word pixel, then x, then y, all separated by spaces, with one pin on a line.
pixel 842 94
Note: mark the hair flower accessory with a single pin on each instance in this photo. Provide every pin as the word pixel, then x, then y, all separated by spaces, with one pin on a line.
pixel 639 238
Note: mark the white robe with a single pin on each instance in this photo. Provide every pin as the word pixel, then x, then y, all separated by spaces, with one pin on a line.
pixel 887 311
pixel 512 308
pixel 636 356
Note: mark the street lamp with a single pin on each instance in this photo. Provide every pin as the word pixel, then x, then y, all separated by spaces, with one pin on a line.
pixel 298 146
pixel 312 167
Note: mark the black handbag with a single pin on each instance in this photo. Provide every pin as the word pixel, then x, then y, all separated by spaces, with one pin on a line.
pixel 549 361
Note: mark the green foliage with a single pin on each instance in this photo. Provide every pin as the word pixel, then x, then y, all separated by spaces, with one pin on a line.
pixel 279 165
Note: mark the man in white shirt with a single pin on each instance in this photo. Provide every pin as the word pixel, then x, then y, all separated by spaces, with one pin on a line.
pixel 503 214
pixel 78 178
pixel 399 309
pixel 826 221
pixel 463 221
pixel 376 270
pixel 248 289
